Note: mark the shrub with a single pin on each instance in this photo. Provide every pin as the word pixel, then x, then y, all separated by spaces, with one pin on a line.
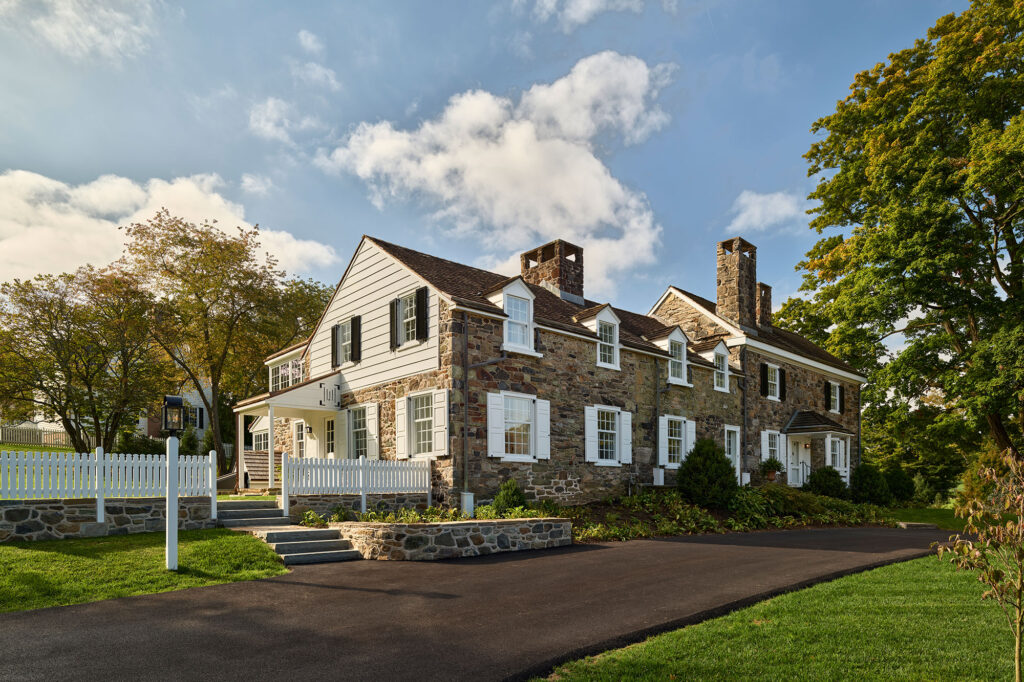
pixel 977 487
pixel 508 497
pixel 707 477
pixel 867 484
pixel 313 520
pixel 189 443
pixel 924 493
pixel 132 443
pixel 826 481
pixel 901 485
pixel 207 442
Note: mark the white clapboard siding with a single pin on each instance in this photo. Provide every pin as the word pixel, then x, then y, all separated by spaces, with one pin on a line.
pixel 372 281
pixel 310 476
pixel 64 475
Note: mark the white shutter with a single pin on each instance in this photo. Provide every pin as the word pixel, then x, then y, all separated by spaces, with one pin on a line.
pixel 542 413
pixel 495 425
pixel 440 447
pixel 691 435
pixel 663 440
pixel 372 431
pixel 341 433
pixel 626 437
pixel 764 445
pixel 401 424
pixel 590 434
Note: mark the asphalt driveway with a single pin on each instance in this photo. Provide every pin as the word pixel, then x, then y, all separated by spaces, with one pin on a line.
pixel 483 618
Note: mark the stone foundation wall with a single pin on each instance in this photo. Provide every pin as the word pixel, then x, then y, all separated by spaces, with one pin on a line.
pixel 323 504
pixel 56 519
pixel 430 541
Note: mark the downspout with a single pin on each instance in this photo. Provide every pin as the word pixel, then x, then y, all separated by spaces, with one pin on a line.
pixel 742 385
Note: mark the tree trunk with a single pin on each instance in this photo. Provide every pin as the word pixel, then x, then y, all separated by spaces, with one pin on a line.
pixel 999 433
pixel 1016 646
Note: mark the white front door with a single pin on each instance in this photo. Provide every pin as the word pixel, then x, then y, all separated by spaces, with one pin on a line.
pixel 794 477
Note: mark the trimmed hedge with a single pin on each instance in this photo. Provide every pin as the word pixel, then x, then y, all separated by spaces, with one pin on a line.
pixel 706 477
pixel 827 481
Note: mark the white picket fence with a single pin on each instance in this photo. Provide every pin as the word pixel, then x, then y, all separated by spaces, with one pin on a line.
pixel 22 435
pixel 311 476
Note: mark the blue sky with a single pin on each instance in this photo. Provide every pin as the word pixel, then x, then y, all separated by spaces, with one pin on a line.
pixel 646 132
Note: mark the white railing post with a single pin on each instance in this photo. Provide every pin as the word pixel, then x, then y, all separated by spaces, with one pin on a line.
pixel 271 439
pixel 99 478
pixel 212 466
pixel 362 483
pixel 284 483
pixel 171 511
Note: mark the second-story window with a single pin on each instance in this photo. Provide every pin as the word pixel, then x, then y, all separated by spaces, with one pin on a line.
pixel 677 365
pixel 517 326
pixel 408 318
pixel 607 350
pixel 834 402
pixel 721 372
pixel 286 374
pixel 773 381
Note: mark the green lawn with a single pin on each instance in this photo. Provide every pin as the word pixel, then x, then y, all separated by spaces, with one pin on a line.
pixel 943 518
pixel 918 620
pixel 18 447
pixel 34 575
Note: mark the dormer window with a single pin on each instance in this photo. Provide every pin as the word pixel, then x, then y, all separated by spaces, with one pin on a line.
pixel 677 364
pixel 285 374
pixel 517 326
pixel 608 344
pixel 721 371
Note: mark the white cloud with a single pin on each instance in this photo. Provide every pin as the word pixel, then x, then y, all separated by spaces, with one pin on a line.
pixel 521 44
pixel 571 14
pixel 310 42
pixel 275 119
pixel 256 184
pixel 47 226
pixel 316 75
pixel 81 29
pixel 517 175
pixel 756 212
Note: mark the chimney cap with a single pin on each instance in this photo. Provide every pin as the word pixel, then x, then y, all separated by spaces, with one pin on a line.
pixel 737 244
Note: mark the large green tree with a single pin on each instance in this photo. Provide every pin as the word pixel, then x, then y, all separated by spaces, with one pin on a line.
pixel 922 167
pixel 76 347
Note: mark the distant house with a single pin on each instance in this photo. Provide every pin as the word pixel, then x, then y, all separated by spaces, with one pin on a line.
pixel 195 416
pixel 494 377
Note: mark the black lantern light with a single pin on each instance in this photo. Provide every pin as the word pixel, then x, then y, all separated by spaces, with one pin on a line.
pixel 174 414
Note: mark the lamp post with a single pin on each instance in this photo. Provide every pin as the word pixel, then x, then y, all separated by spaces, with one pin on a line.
pixel 174 417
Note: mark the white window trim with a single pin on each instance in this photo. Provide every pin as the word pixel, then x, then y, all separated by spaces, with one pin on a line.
pixel 682 455
pixel 260 434
pixel 729 428
pixel 330 434
pixel 532 457
pixel 833 397
pixel 778 383
pixel 686 365
pixel 350 432
pixel 300 425
pixel 410 422
pixel 527 349
pixel 618 435
pixel 342 362
pixel 766 451
pixel 615 345
pixel 717 372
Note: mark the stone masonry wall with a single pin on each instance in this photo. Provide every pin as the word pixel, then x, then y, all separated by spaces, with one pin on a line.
pixel 674 310
pixel 325 504
pixel 56 519
pixel 430 541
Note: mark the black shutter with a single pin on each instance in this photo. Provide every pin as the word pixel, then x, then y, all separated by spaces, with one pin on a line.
pixel 842 398
pixel 782 384
pixel 200 410
pixel 764 379
pixel 334 346
pixel 395 308
pixel 828 395
pixel 357 338
pixel 421 313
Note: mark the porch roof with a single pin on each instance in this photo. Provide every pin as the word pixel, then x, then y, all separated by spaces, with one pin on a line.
pixel 807 422
pixel 321 394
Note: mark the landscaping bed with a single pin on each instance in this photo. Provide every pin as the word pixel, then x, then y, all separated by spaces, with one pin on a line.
pixel 35 575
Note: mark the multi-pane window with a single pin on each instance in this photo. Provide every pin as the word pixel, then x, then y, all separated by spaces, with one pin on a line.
pixel 773 445
pixel 675 440
pixel 833 396
pixel 422 409
pixel 606 343
pixel 517 326
pixel 329 435
pixel 838 454
pixel 300 439
pixel 607 434
pixel 345 341
pixel 192 416
pixel 732 443
pixel 261 440
pixel 518 426
pixel 358 416
pixel 408 318
pixel 721 372
pixel 286 374
pixel 275 378
pixel 676 365
pixel 773 381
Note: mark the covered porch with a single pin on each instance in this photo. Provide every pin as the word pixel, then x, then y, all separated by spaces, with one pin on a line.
pixel 300 420
pixel 812 441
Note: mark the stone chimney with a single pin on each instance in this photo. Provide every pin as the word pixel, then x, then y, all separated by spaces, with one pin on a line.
pixel 558 267
pixel 764 305
pixel 737 281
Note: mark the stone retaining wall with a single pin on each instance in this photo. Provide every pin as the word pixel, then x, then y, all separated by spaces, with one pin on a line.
pixel 56 519
pixel 323 504
pixel 429 541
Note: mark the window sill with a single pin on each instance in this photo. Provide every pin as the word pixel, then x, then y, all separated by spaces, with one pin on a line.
pixel 427 455
pixel 670 467
pixel 606 463
pixel 834 412
pixel 410 344
pixel 523 459
pixel 607 366
pixel 773 398
pixel 679 382
pixel 521 350
pixel 721 390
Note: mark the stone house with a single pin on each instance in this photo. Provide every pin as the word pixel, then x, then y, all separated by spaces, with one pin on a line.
pixel 493 377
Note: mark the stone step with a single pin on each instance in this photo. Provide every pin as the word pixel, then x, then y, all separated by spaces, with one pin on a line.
pixel 258 513
pixel 321 557
pixel 303 546
pixel 259 523
pixel 246 504
pixel 296 534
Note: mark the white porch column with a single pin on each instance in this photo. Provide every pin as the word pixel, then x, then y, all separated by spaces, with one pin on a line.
pixel 271 446
pixel 240 450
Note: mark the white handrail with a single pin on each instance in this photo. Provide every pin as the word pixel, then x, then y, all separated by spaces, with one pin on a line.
pixel 311 476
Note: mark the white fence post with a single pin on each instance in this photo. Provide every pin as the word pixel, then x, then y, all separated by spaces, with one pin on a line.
pixel 171 511
pixel 212 466
pixel 284 483
pixel 430 498
pixel 362 483
pixel 100 481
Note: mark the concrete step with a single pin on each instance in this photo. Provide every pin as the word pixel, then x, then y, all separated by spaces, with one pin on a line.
pixel 264 513
pixel 303 546
pixel 246 504
pixel 244 523
pixel 297 534
pixel 321 557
